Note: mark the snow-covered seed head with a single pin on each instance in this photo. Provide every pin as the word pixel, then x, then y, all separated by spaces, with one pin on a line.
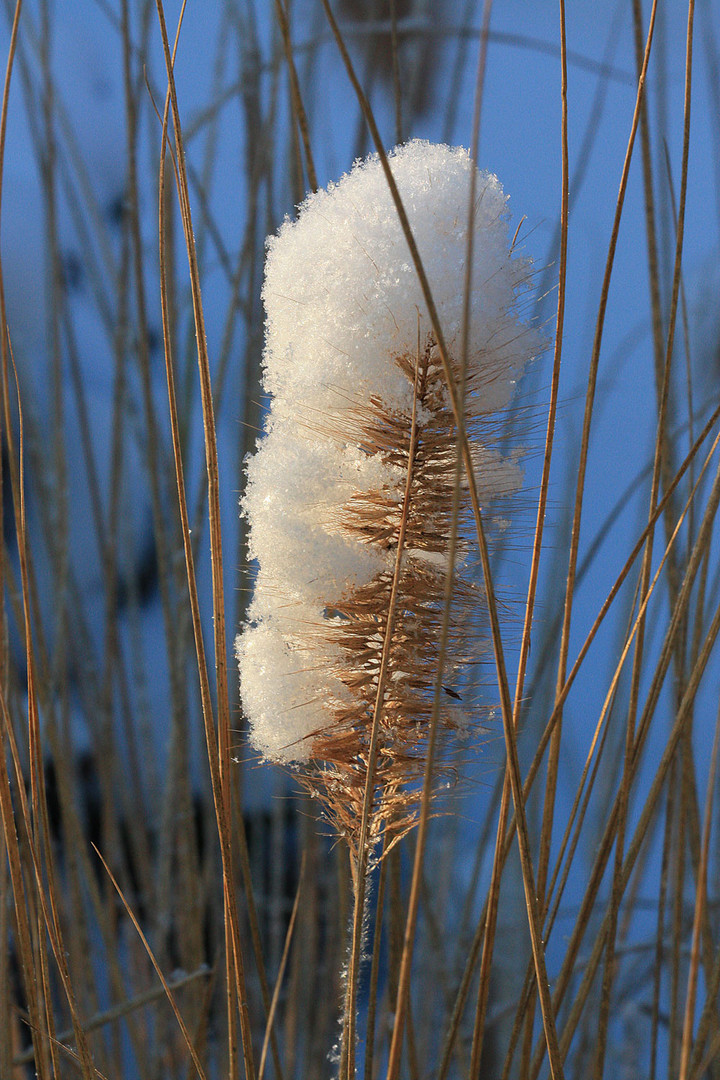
pixel 350 358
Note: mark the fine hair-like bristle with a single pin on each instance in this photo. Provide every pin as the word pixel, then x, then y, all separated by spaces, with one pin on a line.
pixel 361 440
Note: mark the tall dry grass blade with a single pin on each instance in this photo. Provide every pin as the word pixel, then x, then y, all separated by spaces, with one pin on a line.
pixel 680 231
pixel 245 870
pixel 473 951
pixel 281 970
pixel 165 984
pixel 47 918
pixel 702 1057
pixel 709 1059
pixel 648 811
pixel 218 751
pixel 402 1000
pixel 677 932
pixel 36 822
pixel 208 417
pixel 605 845
pixel 689 807
pixel 555 377
pixel 595 360
pixel 23 924
pixel 617 884
pixel 661 916
pixel 296 97
pixel 689 804
pixel 360 857
pixel 617 585
pixel 661 467
pixel 637 633
pixel 617 887
pixel 700 904
pixel 12 844
pixel 555 889
pixel 554 752
pixel 22 920
pixel 533 770
pixel 122 1010
pixel 397 84
pixel 489 928
pixel 6 902
pixel 170 615
pixel 658 337
pixel 83 879
pixel 373 986
pixel 493 896
pixel 50 704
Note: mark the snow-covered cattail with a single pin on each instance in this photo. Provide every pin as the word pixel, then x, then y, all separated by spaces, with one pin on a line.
pixel 359 404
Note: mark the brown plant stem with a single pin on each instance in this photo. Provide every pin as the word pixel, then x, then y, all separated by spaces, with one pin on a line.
pixel 360 859
pixel 218 745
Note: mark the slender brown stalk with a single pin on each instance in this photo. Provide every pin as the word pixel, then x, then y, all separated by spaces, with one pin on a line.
pixel 402 1001
pixel 123 1010
pixel 375 966
pixel 660 468
pixel 360 858
pixel 297 102
pixel 702 1057
pixel 595 361
pixel 397 85
pixel 642 827
pixel 700 904
pixel 252 912
pixel 25 930
pixel 605 845
pixel 165 984
pixel 554 752
pixel 618 881
pixel 46 915
pixel 36 824
pixel 474 950
pixel 218 745
pixel 281 971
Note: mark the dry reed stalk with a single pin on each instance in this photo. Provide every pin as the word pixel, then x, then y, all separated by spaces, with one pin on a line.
pixel 217 740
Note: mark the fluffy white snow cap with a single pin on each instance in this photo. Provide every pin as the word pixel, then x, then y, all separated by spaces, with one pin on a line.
pixel 342 302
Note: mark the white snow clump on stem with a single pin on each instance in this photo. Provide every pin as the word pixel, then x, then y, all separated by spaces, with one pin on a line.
pixel 343 303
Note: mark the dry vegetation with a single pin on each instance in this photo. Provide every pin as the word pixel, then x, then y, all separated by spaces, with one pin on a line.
pixel 165 917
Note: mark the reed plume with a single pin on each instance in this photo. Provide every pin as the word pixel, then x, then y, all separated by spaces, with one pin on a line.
pixel 358 460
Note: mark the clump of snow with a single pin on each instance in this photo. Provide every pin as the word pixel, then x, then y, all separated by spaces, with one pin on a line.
pixel 342 296
pixel 343 302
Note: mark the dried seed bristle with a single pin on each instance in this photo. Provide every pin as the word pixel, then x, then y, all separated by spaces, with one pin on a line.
pixel 357 620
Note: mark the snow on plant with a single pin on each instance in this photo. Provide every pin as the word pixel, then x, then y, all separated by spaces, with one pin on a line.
pixel 361 432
